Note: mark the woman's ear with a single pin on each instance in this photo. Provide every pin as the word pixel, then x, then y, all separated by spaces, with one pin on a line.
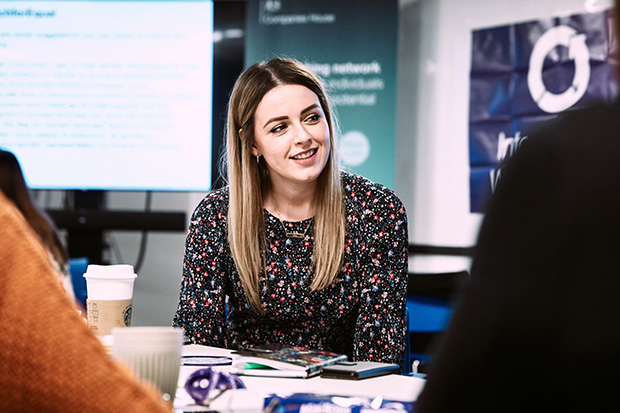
pixel 254 151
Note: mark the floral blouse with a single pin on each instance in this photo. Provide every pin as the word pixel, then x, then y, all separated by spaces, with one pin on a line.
pixel 362 314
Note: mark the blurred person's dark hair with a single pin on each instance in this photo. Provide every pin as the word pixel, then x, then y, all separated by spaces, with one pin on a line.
pixel 13 185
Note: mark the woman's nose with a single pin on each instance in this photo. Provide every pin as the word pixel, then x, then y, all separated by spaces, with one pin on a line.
pixel 302 138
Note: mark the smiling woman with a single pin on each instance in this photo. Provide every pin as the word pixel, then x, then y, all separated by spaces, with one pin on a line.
pixel 292 136
pixel 306 254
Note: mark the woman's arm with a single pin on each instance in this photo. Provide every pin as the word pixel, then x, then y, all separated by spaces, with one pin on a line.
pixel 381 327
pixel 201 311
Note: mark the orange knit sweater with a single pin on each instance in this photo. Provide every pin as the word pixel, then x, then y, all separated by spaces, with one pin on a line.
pixel 49 360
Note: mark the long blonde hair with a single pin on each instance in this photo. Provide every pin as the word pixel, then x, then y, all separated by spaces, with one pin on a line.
pixel 248 181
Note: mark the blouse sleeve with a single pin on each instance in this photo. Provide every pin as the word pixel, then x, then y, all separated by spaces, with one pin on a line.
pixel 381 328
pixel 201 312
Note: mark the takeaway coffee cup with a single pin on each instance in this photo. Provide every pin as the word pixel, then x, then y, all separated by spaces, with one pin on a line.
pixel 109 291
pixel 153 353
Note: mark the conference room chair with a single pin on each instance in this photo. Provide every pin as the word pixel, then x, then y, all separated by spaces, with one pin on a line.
pixel 429 308
pixel 77 268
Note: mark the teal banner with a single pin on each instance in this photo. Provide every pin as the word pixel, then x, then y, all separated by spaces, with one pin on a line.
pixel 352 45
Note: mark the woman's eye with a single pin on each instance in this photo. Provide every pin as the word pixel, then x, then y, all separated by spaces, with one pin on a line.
pixel 278 129
pixel 313 118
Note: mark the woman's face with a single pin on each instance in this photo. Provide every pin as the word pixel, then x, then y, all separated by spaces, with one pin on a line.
pixel 292 135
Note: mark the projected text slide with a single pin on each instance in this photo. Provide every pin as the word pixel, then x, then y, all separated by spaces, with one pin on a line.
pixel 108 95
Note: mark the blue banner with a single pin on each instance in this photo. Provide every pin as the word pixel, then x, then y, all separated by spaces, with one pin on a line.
pixel 524 74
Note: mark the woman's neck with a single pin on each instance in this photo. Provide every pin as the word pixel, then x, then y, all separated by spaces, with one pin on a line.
pixel 291 205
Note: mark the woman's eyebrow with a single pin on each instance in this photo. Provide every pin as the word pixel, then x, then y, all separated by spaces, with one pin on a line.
pixel 279 118
pixel 276 119
pixel 309 108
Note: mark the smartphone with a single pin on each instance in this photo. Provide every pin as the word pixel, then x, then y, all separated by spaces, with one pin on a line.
pixel 357 370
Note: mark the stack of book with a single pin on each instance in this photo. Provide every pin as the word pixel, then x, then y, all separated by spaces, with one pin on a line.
pixel 283 361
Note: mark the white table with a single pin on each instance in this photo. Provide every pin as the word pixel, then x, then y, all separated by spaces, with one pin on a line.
pixel 390 387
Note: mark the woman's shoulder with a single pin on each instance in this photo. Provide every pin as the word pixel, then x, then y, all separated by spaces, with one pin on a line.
pixel 364 192
pixel 215 203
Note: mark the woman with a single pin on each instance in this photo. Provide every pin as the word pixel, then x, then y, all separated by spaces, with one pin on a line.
pixel 307 255
pixel 14 187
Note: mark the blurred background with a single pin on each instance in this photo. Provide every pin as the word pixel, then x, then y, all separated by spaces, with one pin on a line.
pixel 429 166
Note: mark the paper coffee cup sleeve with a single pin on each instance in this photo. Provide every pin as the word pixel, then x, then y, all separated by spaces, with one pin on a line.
pixel 104 315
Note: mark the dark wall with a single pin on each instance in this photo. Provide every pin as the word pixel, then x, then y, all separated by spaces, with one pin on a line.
pixel 228 56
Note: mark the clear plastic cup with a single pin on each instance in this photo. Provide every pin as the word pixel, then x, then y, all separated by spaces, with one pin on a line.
pixel 153 353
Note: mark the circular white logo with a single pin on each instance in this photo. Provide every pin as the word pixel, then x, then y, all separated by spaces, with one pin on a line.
pixel 354 148
pixel 577 51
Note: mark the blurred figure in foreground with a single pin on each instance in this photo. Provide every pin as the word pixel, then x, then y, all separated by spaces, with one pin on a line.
pixel 13 185
pixel 49 359
pixel 537 328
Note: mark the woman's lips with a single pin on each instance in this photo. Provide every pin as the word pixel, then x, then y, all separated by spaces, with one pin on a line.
pixel 304 155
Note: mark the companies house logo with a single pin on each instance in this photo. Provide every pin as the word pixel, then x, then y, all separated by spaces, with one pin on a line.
pixel 578 51
pixel 272 6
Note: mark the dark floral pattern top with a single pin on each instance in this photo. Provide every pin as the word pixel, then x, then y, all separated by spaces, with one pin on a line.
pixel 362 314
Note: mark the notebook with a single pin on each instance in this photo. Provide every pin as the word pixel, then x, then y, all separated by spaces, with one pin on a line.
pixel 276 360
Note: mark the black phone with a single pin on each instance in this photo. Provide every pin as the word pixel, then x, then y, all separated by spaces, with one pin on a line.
pixel 358 370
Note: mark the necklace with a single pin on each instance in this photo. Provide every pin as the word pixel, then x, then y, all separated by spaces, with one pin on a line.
pixel 296 235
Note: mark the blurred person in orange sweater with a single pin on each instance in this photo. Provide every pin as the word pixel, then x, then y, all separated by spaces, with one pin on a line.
pixel 13 185
pixel 49 359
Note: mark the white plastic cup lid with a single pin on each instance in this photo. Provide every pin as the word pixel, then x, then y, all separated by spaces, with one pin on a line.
pixel 110 282
pixel 113 272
